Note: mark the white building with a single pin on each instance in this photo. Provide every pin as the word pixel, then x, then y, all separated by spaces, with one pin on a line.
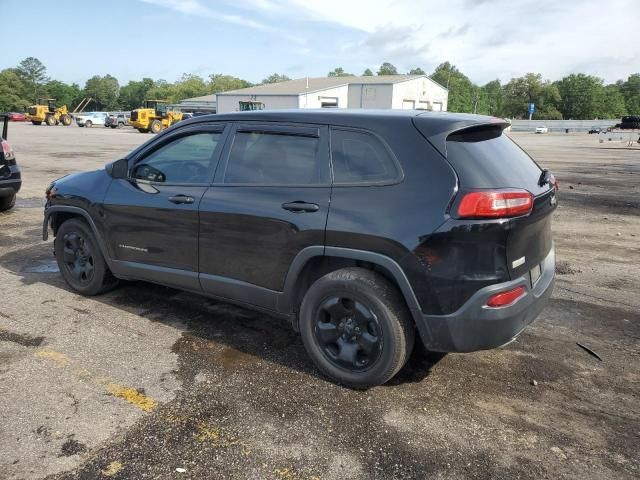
pixel 384 91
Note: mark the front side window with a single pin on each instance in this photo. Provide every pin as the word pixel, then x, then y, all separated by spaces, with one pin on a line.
pixel 359 157
pixel 184 160
pixel 274 159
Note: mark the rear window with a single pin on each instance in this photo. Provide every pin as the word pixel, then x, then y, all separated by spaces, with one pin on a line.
pixel 485 158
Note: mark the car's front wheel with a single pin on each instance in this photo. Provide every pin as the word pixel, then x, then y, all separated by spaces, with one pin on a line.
pixel 88 124
pixel 6 203
pixel 356 327
pixel 80 260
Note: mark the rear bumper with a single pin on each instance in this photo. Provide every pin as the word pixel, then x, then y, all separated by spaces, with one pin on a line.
pixel 11 185
pixel 474 326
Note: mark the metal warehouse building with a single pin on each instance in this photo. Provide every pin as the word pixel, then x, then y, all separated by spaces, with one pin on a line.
pixel 388 91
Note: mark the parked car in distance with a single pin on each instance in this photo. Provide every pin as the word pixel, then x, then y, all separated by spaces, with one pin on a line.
pixel 90 119
pixel 117 120
pixel 363 229
pixel 17 117
pixel 595 130
pixel 542 129
pixel 10 176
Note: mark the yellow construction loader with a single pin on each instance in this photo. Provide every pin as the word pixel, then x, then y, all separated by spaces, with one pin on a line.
pixel 45 111
pixel 154 116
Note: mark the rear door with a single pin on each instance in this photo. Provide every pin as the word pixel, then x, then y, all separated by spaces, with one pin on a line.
pixel 270 200
pixel 151 218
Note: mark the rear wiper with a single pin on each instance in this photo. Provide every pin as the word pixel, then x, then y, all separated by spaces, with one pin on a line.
pixel 545 177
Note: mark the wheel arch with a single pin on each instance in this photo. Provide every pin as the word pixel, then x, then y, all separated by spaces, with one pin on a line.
pixel 314 262
pixel 58 214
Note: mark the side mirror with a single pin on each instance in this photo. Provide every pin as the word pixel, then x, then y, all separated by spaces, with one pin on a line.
pixel 118 169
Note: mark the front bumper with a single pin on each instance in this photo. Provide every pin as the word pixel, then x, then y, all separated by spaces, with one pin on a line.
pixel 474 326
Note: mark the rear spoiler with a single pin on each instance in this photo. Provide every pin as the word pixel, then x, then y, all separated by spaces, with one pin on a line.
pixel 436 131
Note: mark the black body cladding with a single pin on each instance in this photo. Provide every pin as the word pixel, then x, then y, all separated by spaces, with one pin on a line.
pixel 274 202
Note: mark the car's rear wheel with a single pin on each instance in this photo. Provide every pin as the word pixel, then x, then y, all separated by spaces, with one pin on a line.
pixel 7 203
pixel 80 261
pixel 88 124
pixel 356 327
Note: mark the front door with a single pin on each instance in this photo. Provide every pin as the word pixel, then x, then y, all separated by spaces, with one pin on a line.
pixel 270 200
pixel 151 219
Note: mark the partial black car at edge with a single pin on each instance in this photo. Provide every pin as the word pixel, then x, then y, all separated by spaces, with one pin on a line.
pixel 10 176
pixel 359 227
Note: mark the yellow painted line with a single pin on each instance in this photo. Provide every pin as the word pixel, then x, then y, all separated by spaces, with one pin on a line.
pixel 112 469
pixel 131 395
pixel 60 359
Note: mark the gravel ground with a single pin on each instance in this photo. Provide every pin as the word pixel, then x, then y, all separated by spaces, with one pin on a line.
pixel 150 382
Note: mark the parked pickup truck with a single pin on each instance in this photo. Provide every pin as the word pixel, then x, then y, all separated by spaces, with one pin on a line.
pixel 117 120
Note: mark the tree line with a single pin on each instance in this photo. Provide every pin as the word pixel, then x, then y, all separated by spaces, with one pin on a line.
pixel 576 96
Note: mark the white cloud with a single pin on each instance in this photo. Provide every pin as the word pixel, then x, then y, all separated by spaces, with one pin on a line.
pixel 485 39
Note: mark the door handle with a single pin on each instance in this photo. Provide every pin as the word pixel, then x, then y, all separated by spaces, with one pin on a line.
pixel 179 199
pixel 299 207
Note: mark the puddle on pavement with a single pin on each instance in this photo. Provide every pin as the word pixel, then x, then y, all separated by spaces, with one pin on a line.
pixel 31 202
pixel 41 266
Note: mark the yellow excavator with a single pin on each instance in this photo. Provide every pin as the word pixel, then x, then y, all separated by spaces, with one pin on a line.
pixel 45 111
pixel 154 116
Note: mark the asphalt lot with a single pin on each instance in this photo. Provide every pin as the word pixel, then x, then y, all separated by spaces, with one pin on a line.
pixel 145 380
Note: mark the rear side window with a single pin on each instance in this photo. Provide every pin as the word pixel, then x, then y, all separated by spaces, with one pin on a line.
pixel 485 158
pixel 274 159
pixel 360 157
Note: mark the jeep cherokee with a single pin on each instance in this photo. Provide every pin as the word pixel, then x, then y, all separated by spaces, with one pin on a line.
pixel 362 228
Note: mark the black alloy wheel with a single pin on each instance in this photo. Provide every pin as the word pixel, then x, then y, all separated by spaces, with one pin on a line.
pixel 78 257
pixel 348 333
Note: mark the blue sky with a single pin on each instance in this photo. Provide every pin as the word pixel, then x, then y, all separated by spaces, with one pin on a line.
pixel 131 39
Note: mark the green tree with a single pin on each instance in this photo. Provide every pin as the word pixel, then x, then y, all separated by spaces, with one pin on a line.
pixel 190 86
pixel 417 71
pixel 631 92
pixel 614 104
pixel 367 73
pixel 531 88
pixel 275 78
pixel 224 83
pixel 13 91
pixel 104 90
pixel 134 93
pixel 583 97
pixel 387 69
pixel 494 96
pixel 463 94
pixel 339 72
pixel 162 90
pixel 34 74
pixel 65 94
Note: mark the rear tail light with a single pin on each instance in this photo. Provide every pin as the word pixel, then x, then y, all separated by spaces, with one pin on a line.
pixel 554 182
pixel 495 204
pixel 504 299
pixel 7 151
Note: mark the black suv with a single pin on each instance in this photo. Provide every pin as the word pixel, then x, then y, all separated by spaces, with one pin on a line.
pixel 359 227
pixel 10 177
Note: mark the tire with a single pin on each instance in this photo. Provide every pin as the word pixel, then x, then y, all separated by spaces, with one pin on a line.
pixel 88 124
pixel 35 122
pixel 51 120
pixel 113 126
pixel 120 124
pixel 352 310
pixel 66 120
pixel 7 203
pixel 156 126
pixel 80 260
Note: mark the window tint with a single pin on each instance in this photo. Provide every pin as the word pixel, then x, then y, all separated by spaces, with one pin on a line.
pixel 273 159
pixel 360 157
pixel 184 160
